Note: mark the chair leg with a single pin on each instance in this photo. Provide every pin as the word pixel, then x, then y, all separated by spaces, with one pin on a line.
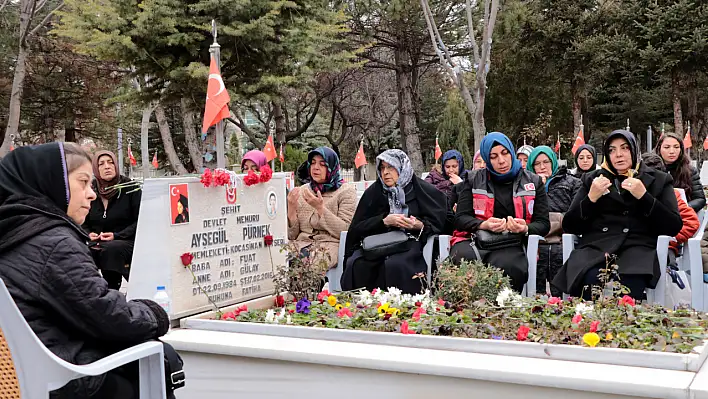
pixel 152 377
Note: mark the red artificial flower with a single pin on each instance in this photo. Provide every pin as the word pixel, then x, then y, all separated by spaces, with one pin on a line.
pixel 594 325
pixel 387 316
pixel 221 178
pixel 374 291
pixel 228 316
pixel 186 258
pixel 241 309
pixel 323 295
pixel 419 304
pixel 627 300
pixel 207 177
pixel 554 300
pixel 441 302
pixel 291 311
pixel 344 312
pixel 268 240
pixel 279 301
pixel 405 329
pixel 266 173
pixel 418 312
pixel 523 333
pixel 577 319
pixel 251 178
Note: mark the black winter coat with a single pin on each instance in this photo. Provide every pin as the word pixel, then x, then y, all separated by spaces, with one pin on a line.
pixel 46 265
pixel 698 197
pixel 562 190
pixel 621 225
pixel 121 216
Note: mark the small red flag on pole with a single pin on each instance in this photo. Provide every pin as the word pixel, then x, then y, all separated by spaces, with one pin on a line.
pixel 360 159
pixel 269 149
pixel 687 138
pixel 281 156
pixel 217 99
pixel 438 152
pixel 154 161
pixel 131 157
pixel 579 140
pixel 558 145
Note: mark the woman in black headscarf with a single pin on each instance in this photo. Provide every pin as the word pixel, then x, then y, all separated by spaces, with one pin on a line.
pixel 45 195
pixel 585 160
pixel 620 210
pixel 182 210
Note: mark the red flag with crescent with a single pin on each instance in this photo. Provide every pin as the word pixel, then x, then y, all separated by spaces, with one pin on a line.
pixel 687 139
pixel 705 144
pixel 580 140
pixel 438 152
pixel 360 159
pixel 269 149
pixel 558 146
pixel 131 157
pixel 217 99
pixel 154 161
pixel 281 156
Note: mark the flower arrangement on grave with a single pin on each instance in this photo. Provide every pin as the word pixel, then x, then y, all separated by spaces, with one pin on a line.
pixel 304 275
pixel 613 320
pixel 187 259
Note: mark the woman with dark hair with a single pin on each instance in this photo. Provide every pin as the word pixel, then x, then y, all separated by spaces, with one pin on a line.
pixel 398 201
pixel 182 210
pixel 678 165
pixel 620 211
pixel 585 160
pixel 113 220
pixel 45 195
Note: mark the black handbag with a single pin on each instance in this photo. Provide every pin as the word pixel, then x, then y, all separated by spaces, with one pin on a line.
pixel 380 245
pixel 174 371
pixel 489 241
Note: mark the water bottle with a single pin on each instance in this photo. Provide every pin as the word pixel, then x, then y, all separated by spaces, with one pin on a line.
pixel 162 298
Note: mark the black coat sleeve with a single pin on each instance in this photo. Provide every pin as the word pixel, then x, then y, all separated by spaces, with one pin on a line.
pixel 128 233
pixel 698 197
pixel 662 211
pixel 576 220
pixel 540 222
pixel 464 217
pixel 72 287
pixel 433 205
pixel 368 219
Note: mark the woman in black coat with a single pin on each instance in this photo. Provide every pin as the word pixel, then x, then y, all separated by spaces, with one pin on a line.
pixel 113 220
pixel 678 164
pixel 45 194
pixel 398 200
pixel 620 210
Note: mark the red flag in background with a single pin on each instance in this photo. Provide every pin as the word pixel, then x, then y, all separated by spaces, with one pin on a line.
pixel 558 146
pixel 705 144
pixel 282 157
pixel 154 161
pixel 12 147
pixel 132 158
pixel 360 159
pixel 579 140
pixel 687 139
pixel 217 100
pixel 269 149
pixel 438 152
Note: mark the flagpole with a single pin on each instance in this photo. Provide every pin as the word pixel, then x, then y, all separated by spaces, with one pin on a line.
pixel 688 132
pixel 130 162
pixel 649 138
pixel 215 51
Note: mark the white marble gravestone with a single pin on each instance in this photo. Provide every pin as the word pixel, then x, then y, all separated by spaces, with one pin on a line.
pixel 224 232
pixel 704 173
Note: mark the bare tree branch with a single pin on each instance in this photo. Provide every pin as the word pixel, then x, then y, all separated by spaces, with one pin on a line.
pixel 470 27
pixel 245 129
pixel 46 19
pixel 4 4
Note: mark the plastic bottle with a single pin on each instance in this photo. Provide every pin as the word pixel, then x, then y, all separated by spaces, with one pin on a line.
pixel 162 298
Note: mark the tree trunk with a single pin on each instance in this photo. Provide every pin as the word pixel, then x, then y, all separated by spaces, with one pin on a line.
pixel 576 107
pixel 406 111
pixel 478 124
pixel 279 118
pixel 676 98
pixel 144 137
pixel 167 141
pixel 190 135
pixel 13 118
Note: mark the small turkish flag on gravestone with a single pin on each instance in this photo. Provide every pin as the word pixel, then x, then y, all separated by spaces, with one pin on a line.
pixel 269 149
pixel 217 99
pixel 360 159
pixel 154 161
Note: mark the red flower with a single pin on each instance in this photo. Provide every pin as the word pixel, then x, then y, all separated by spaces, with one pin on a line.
pixel 523 333
pixel 418 312
pixel 323 295
pixel 419 304
pixel 207 177
pixel 186 258
pixel 627 300
pixel 241 309
pixel 279 301
pixel 594 325
pixel 405 329
pixel 291 311
pixel 228 316
pixel 266 173
pixel 441 302
pixel 374 291
pixel 554 300
pixel 577 319
pixel 251 178
pixel 221 178
pixel 344 312
pixel 268 240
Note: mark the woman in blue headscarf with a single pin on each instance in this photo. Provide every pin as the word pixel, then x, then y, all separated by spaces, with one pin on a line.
pixel 321 209
pixel 497 209
pixel 453 173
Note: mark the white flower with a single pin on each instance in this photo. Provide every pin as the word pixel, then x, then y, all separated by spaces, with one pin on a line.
pixel 583 309
pixel 288 320
pixel 504 296
pixel 270 316
pixel 280 316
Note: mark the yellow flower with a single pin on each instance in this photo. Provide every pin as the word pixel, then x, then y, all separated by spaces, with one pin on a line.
pixel 339 306
pixel 383 308
pixel 332 300
pixel 348 304
pixel 609 336
pixel 592 339
pixel 393 311
pixel 675 335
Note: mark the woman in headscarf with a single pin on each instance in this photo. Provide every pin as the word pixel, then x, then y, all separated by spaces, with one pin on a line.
pixel 523 155
pixel 45 195
pixel 493 202
pixel 478 162
pixel 585 160
pixel 678 165
pixel 253 160
pixel 561 187
pixel 320 210
pixel 620 211
pixel 397 201
pixel 113 220
pixel 182 210
pixel 453 173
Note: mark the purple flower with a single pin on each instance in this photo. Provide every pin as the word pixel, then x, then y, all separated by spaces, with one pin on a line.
pixel 497 337
pixel 303 306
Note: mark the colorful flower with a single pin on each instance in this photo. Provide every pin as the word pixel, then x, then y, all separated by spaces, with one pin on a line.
pixel 609 336
pixel 583 309
pixel 554 300
pixel 418 312
pixel 186 258
pixel 594 325
pixel 591 339
pixel 332 300
pixel 268 240
pixel 626 300
pixel 228 316
pixel 348 304
pixel 221 178
pixel 405 329
pixel 675 335
pixel 523 333
pixel 498 337
pixel 323 295
pixel 251 178
pixel 303 306
pixel 266 173
pixel 345 312
pixel 383 308
pixel 207 177
pixel 393 311
pixel 577 319
pixel 441 302
pixel 240 309
pixel 338 306
pixel 279 301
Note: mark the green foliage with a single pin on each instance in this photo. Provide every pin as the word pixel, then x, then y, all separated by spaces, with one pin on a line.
pixel 455 127
pixel 293 158
pixel 303 274
pixel 469 282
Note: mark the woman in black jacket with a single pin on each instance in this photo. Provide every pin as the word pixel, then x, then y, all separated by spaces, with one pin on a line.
pixel 678 164
pixel 398 200
pixel 113 220
pixel 45 195
pixel 585 160
pixel 620 210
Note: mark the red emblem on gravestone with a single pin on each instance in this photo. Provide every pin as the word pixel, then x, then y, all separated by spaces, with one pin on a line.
pixel 231 195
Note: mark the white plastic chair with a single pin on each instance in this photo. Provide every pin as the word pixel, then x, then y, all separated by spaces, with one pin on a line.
pixel 39 371
pixel 657 295
pixel 691 260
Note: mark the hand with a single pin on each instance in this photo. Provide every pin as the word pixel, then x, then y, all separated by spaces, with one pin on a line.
pixel 600 185
pixel 516 225
pixel 315 201
pixel 635 187
pixel 411 223
pixel 454 208
pixel 293 196
pixel 393 220
pixel 455 179
pixel 93 236
pixel 543 178
pixel 106 237
pixel 494 225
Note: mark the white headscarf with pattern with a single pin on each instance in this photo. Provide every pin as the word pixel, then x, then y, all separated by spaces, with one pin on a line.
pixel 396 194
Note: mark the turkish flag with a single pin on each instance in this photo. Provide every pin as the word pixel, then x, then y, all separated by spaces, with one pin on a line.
pixel 705 143
pixel 217 99
pixel 580 140
pixel 687 139
pixel 438 152
pixel 154 160
pixel 12 147
pixel 360 159
pixel 281 156
pixel 269 149
pixel 132 158
pixel 558 146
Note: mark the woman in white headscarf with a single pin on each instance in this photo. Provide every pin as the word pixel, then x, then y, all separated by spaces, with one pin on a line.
pixel 397 201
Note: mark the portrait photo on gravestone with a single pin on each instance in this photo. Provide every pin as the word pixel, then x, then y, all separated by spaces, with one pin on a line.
pixel 179 203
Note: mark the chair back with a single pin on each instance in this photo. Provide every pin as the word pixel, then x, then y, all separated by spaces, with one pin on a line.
pixel 9 384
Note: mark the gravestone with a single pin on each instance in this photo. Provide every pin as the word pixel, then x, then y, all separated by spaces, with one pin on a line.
pixel 704 173
pixel 222 228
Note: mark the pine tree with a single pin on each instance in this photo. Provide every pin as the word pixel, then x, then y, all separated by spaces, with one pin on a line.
pixel 455 127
